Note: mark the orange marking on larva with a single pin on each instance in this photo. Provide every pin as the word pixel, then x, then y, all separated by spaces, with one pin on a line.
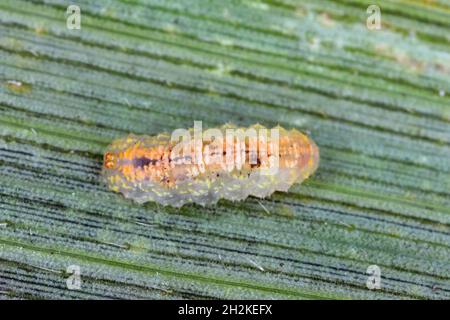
pixel 145 168
pixel 109 160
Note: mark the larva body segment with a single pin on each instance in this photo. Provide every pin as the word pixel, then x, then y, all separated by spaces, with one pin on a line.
pixel 144 168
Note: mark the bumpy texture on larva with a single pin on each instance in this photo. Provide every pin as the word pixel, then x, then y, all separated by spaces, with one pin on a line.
pixel 141 168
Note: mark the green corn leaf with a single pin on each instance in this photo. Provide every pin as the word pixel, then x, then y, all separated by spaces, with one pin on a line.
pixel 377 102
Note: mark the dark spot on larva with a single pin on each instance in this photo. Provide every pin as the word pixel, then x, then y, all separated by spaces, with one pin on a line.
pixel 165 180
pixel 143 162
pixel 257 165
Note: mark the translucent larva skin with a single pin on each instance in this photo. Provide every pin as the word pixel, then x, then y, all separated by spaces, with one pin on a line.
pixel 141 168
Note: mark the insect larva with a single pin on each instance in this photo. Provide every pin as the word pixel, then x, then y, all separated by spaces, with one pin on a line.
pixel 146 168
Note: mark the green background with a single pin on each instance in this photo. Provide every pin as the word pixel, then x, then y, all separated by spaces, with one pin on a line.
pixel 376 102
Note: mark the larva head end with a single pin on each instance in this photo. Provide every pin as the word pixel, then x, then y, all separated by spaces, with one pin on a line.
pixel 109 160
